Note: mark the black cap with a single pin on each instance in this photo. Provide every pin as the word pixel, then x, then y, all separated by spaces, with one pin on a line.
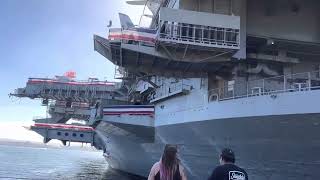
pixel 228 155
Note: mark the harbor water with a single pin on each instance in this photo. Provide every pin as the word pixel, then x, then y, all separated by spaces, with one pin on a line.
pixel 19 162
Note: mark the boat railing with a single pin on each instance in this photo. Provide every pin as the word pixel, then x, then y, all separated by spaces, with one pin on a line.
pixel 306 81
pixel 87 88
pixel 198 29
pixel 200 35
pixel 70 82
pixel 62 89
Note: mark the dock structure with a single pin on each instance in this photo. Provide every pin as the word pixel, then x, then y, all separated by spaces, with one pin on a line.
pixel 65 133
pixel 63 89
pixel 67 98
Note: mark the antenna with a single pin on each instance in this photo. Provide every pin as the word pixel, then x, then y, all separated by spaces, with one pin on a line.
pixel 143 12
pixel 144 8
pixel 110 24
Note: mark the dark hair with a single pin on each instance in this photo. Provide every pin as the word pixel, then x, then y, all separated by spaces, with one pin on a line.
pixel 169 162
pixel 228 155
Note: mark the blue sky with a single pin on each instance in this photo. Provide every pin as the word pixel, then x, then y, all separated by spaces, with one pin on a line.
pixel 44 38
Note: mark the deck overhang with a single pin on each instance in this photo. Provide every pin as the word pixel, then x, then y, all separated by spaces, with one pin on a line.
pixel 146 59
pixel 64 133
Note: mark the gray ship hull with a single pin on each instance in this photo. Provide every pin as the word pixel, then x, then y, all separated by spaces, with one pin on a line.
pixel 268 147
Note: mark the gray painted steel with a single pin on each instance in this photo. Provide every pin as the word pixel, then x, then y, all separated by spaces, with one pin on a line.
pixel 65 134
pixel 64 91
pixel 207 19
pixel 268 147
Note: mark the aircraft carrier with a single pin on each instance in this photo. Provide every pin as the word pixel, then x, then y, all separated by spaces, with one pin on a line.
pixel 203 74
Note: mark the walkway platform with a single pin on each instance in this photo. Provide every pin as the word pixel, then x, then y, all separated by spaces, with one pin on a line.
pixel 65 133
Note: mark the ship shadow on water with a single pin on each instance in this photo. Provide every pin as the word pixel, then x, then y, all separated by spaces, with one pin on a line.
pixel 94 170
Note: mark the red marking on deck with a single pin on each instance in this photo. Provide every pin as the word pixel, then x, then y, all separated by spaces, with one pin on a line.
pixel 133 38
pixel 129 113
pixel 63 126
pixel 36 81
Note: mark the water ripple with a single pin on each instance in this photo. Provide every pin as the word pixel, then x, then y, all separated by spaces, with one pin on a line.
pixel 53 164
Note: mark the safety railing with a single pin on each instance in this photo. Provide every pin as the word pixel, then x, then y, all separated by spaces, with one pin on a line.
pixel 280 84
pixel 73 104
pixel 69 82
pixel 61 90
pixel 198 29
pixel 200 35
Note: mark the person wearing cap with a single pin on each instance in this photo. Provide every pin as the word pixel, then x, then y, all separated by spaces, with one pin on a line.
pixel 227 169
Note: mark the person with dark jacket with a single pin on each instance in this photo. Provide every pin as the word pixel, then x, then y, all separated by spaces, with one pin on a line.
pixel 227 169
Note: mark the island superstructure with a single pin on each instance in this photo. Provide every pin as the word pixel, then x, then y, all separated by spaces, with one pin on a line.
pixel 209 74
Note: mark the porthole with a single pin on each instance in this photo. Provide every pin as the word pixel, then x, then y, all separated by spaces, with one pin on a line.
pixel 74 134
pixel 81 135
pixel 66 134
pixel 59 133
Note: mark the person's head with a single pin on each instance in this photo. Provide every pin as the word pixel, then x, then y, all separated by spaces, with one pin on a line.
pixel 169 162
pixel 169 155
pixel 227 156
